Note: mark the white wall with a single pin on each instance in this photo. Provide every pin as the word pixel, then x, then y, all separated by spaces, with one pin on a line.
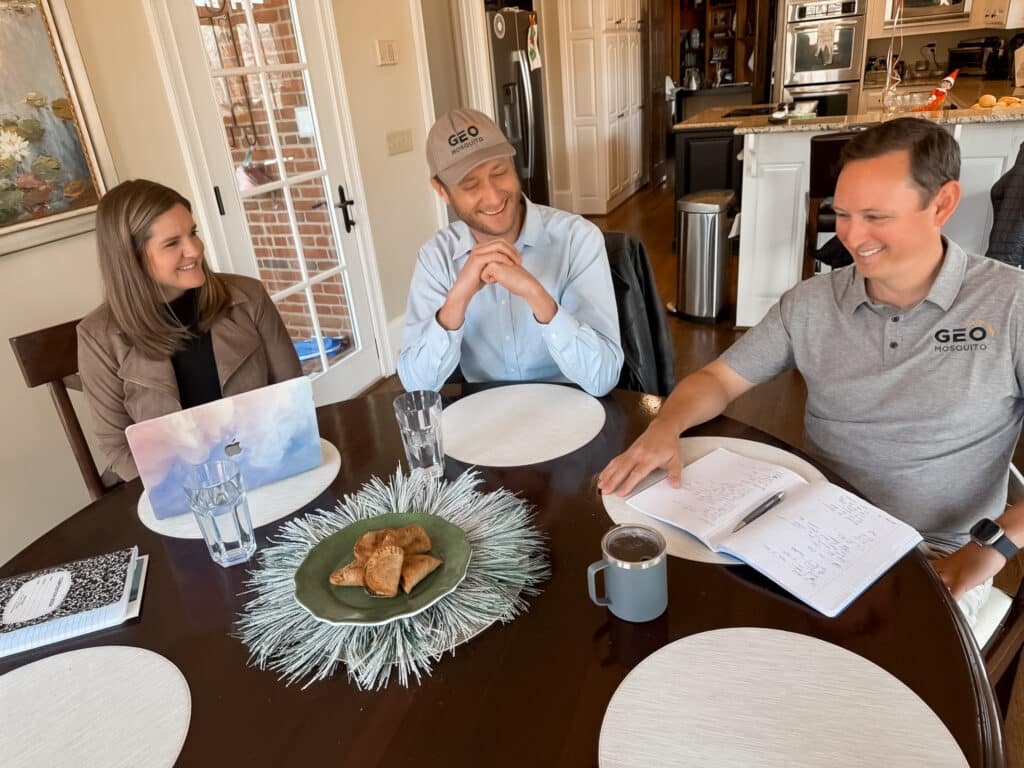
pixel 60 281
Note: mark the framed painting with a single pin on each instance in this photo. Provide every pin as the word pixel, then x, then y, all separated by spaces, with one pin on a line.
pixel 54 162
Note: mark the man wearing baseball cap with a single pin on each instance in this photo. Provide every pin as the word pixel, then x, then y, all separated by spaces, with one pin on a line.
pixel 513 291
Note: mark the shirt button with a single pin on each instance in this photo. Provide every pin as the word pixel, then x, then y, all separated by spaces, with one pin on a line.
pixel 893 345
pixel 895 318
pixel 502 302
pixel 508 338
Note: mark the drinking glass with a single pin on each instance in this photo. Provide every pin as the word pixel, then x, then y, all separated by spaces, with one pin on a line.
pixel 419 419
pixel 216 494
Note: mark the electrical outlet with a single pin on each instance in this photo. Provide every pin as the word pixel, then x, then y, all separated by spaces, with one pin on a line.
pixel 399 142
pixel 387 53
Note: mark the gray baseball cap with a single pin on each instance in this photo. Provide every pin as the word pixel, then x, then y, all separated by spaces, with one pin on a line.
pixel 462 139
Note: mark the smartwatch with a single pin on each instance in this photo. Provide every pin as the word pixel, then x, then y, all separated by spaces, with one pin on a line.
pixel 988 533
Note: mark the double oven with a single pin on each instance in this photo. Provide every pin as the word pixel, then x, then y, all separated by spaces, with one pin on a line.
pixel 823 55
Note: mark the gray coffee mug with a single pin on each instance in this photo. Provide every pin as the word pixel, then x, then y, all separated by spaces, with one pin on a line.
pixel 635 573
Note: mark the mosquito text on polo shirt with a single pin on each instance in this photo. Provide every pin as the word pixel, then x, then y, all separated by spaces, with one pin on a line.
pixel 972 337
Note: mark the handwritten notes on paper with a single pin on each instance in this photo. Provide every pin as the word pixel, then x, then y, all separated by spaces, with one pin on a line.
pixel 823 544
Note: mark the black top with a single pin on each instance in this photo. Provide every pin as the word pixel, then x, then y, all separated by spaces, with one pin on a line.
pixel 195 367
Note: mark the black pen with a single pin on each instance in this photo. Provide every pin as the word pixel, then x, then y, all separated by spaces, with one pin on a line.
pixel 760 509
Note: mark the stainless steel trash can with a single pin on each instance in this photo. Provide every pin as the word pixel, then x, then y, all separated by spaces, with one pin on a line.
pixel 704 222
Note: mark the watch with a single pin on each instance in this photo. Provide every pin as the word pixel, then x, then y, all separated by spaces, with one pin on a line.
pixel 988 533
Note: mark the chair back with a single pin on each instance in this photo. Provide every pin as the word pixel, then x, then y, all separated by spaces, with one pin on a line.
pixel 648 364
pixel 50 356
pixel 824 172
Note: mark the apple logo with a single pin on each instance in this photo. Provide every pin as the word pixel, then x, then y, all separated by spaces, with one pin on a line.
pixel 233 448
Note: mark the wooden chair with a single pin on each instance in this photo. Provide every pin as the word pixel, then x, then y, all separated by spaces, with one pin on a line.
pixel 824 170
pixel 50 356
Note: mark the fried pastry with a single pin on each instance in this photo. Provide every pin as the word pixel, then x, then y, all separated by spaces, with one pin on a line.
pixel 384 570
pixel 350 576
pixel 412 539
pixel 368 543
pixel 415 568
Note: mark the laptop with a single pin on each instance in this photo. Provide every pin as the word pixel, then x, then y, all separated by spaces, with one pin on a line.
pixel 270 432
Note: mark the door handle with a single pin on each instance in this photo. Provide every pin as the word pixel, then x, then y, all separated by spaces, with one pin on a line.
pixel 530 133
pixel 344 203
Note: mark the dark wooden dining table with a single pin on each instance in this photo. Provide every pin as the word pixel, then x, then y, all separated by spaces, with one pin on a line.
pixel 529 693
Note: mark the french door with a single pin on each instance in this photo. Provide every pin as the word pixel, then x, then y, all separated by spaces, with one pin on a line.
pixel 274 146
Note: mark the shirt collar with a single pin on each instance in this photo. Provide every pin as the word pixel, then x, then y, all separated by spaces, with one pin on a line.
pixel 944 289
pixel 532 233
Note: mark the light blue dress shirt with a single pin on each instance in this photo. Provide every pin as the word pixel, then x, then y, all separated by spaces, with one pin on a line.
pixel 500 339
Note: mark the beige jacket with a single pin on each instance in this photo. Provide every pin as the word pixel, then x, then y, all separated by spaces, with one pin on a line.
pixel 250 344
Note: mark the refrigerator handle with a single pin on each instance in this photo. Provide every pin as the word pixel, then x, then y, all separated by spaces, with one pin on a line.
pixel 519 57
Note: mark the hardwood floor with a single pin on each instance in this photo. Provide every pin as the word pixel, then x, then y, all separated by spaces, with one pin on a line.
pixel 776 407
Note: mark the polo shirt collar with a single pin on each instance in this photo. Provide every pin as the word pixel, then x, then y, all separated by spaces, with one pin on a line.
pixel 532 233
pixel 944 289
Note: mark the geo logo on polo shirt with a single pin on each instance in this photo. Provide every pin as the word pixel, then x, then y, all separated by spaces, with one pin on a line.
pixel 972 337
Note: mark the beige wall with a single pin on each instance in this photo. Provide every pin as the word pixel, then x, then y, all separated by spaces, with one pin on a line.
pixel 56 282
pixel 440 40
pixel 384 99
pixel 558 152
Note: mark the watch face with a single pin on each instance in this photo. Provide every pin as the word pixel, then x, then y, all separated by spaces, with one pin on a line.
pixel 985 532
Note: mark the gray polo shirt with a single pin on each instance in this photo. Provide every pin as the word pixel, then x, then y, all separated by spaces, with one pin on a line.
pixel 919 409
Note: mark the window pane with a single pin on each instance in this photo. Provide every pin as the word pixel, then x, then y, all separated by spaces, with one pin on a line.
pixel 225 34
pixel 272 241
pixel 314 213
pixel 242 108
pixel 330 297
pixel 293 118
pixel 294 310
pixel 276 32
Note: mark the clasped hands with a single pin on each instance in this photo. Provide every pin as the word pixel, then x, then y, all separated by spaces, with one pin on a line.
pixel 495 262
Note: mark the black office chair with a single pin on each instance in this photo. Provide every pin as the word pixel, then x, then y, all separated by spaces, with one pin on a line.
pixel 649 364
pixel 825 150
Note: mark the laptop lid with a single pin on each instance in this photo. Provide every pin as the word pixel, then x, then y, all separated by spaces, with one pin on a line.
pixel 270 432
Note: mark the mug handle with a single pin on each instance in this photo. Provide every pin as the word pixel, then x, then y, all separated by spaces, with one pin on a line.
pixel 600 565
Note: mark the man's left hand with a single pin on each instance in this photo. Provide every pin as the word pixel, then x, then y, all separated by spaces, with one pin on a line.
pixel 968 567
pixel 517 280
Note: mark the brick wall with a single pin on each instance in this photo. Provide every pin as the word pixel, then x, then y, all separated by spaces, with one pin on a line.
pixel 246 116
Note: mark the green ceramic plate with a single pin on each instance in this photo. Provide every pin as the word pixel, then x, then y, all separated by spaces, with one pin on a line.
pixel 354 605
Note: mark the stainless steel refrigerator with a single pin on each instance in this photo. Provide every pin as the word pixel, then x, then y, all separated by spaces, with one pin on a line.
pixel 518 98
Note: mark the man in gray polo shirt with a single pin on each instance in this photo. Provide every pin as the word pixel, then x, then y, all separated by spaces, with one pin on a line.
pixel 913 359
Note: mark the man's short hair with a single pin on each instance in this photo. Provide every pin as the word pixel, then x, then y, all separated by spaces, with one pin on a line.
pixel 934 153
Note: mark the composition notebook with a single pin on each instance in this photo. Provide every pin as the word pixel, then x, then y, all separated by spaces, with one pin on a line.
pixel 821 543
pixel 68 600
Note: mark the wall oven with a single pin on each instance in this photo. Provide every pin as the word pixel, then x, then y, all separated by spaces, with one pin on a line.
pixel 921 11
pixel 834 99
pixel 824 42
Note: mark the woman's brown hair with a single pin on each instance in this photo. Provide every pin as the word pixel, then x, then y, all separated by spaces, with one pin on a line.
pixel 124 218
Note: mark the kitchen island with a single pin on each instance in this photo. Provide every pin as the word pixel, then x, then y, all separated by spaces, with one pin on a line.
pixel 775 163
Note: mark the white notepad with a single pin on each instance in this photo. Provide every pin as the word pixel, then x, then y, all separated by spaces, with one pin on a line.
pixel 821 543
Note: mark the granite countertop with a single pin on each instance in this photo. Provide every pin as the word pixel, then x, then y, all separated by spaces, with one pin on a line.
pixel 714 118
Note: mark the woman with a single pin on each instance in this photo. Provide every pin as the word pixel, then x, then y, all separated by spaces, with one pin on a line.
pixel 171 334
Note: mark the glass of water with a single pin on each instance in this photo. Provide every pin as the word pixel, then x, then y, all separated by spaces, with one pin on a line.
pixel 216 495
pixel 419 418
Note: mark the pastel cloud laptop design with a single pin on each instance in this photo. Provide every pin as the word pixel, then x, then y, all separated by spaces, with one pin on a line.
pixel 270 432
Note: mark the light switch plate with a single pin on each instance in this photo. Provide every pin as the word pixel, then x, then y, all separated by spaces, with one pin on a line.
pixel 387 52
pixel 399 142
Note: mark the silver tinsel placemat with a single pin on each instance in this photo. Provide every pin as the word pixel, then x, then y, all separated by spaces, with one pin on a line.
pixel 507 565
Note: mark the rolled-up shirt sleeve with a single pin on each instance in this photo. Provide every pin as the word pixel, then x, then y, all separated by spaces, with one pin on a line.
pixel 429 352
pixel 583 336
pixel 766 350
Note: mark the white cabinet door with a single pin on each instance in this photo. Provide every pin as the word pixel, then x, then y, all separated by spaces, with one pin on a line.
pixel 776 170
pixel 635 146
pixel 614 14
pixel 987 151
pixel 634 98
